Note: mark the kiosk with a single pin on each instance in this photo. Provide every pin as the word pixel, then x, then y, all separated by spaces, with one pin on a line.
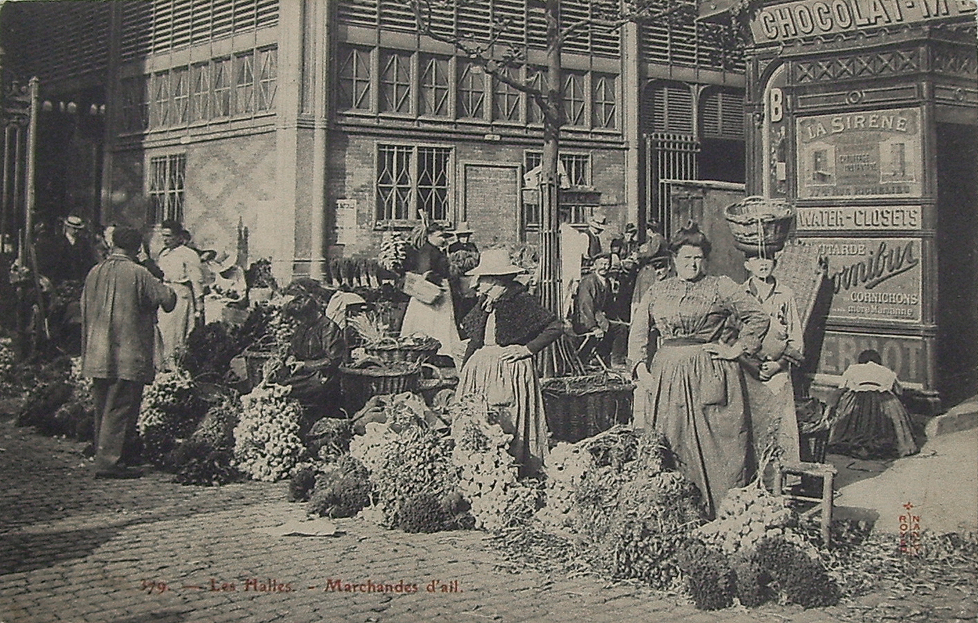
pixel 865 115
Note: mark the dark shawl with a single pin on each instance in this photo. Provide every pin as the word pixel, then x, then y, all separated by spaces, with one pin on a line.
pixel 520 319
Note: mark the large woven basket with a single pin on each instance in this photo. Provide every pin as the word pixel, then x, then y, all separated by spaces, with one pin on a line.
pixel 359 384
pixel 759 224
pixel 411 353
pixel 583 406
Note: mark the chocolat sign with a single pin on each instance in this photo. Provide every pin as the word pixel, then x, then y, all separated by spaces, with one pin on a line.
pixel 860 154
pixel 873 278
pixel 791 20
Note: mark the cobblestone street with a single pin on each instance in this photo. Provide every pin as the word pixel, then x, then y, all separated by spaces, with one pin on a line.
pixel 78 549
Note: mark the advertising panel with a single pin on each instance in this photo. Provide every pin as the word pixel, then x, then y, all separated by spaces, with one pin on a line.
pixel 780 22
pixel 860 154
pixel 904 355
pixel 873 218
pixel 876 279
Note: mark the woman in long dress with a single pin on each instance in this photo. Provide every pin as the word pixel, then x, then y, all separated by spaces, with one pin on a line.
pixel 693 385
pixel 872 422
pixel 182 272
pixel 436 319
pixel 505 329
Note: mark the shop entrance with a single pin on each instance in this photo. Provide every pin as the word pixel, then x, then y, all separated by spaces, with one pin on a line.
pixel 957 249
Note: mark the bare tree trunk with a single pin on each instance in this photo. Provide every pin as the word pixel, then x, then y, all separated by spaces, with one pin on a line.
pixel 560 358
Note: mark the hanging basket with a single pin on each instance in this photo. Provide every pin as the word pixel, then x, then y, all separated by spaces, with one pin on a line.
pixel 759 224
pixel 578 407
pixel 371 378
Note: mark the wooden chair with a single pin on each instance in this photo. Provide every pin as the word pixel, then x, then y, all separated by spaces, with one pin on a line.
pixel 824 472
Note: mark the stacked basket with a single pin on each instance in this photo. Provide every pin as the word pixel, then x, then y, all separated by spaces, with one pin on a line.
pixel 760 225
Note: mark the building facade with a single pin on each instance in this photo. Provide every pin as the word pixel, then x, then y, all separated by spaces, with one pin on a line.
pixel 315 125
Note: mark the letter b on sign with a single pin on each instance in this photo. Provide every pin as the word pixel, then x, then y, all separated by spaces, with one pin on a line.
pixel 776 104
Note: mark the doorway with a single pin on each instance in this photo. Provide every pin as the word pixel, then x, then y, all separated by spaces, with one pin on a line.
pixel 957 266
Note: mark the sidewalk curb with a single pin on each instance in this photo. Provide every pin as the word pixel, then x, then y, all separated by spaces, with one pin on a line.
pixel 958 418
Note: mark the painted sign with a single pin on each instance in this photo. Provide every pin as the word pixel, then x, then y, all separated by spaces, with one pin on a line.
pixel 873 278
pixel 862 219
pixel 904 355
pixel 860 154
pixel 775 135
pixel 791 20
pixel 346 221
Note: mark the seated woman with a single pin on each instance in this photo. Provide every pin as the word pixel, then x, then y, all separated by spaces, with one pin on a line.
pixel 318 348
pixel 872 422
pixel 505 329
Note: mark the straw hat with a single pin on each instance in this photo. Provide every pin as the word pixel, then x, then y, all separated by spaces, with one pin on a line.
pixel 463 228
pixel 598 222
pixel 495 262
pixel 75 222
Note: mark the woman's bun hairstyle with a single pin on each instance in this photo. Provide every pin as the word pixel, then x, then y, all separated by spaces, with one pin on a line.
pixel 690 236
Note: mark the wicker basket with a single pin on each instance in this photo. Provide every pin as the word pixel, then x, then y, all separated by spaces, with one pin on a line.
pixel 815 421
pixel 759 224
pixel 410 353
pixel 255 360
pixel 581 407
pixel 359 384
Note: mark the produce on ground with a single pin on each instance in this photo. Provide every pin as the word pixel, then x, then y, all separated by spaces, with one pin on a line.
pixel 266 440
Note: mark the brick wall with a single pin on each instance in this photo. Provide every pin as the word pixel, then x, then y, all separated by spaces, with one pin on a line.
pixel 351 175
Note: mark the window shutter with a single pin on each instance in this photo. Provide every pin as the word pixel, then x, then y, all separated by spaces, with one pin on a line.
pixel 672 108
pixel 722 114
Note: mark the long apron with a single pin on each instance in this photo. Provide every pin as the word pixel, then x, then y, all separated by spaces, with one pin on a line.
pixel 175 326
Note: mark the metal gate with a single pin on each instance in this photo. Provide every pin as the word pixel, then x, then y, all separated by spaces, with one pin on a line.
pixel 669 157
pixel 19 122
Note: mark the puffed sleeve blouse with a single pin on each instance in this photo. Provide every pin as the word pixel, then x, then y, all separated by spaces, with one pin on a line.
pixel 695 312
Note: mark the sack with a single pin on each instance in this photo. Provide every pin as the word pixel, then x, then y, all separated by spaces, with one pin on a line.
pixel 420 288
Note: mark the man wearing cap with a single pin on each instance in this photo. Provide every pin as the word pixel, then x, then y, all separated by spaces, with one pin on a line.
pixel 595 226
pixel 591 309
pixel 463 256
pixel 119 306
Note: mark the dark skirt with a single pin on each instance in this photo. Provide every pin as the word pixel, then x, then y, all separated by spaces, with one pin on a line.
pixel 699 404
pixel 872 425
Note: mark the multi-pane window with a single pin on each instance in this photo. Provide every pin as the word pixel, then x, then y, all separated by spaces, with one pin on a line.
pixel 354 79
pixel 244 83
pixel 411 179
pixel 181 95
pixel 240 85
pixel 380 80
pixel 395 82
pixel 574 98
pixel 221 86
pixel 573 169
pixel 434 84
pixel 200 92
pixel 133 104
pixel 506 99
pixel 267 78
pixel 471 91
pixel 604 90
pixel 160 111
pixel 166 186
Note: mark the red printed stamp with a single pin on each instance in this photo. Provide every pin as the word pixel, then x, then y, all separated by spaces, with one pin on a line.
pixel 910 531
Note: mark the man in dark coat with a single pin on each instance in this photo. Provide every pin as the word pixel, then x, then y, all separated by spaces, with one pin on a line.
pixel 591 311
pixel 118 308
pixel 73 254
